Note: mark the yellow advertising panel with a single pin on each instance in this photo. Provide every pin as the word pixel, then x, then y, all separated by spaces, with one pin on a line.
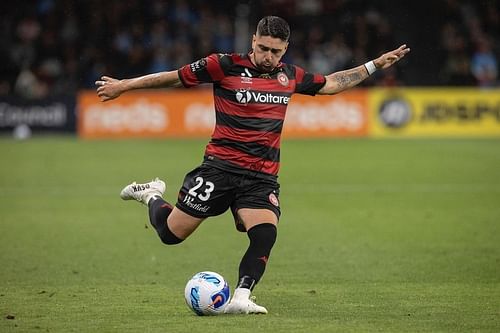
pixel 431 112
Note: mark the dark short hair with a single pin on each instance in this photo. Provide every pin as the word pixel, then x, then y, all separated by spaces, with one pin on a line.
pixel 275 27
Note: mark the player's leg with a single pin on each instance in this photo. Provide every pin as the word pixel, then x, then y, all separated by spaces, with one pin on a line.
pixel 205 192
pixel 261 230
pixel 171 224
pixel 257 212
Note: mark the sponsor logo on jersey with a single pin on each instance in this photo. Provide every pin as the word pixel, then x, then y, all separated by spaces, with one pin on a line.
pixel 246 77
pixel 198 65
pixel 245 96
pixel 283 79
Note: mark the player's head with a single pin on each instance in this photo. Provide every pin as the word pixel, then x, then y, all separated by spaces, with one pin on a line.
pixel 275 27
pixel 270 42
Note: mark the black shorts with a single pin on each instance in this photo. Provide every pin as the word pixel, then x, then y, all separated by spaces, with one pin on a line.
pixel 209 191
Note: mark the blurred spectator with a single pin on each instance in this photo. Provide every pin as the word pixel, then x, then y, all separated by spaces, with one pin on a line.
pixel 57 46
pixel 484 63
pixel 456 69
pixel 469 56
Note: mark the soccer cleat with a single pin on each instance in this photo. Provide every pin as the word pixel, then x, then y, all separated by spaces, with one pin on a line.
pixel 242 303
pixel 143 192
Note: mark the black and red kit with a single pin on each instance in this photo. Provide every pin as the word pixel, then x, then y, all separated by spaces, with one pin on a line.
pixel 250 107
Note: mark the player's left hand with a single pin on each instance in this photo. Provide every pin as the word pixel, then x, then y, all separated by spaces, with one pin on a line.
pixel 391 57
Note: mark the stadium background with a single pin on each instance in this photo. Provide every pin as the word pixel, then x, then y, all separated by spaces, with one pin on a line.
pixel 380 232
pixel 53 51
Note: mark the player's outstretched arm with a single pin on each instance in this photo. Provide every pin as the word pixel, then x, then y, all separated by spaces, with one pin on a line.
pixel 342 80
pixel 109 88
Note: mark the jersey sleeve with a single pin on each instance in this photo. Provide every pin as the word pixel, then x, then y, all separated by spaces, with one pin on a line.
pixel 308 83
pixel 205 70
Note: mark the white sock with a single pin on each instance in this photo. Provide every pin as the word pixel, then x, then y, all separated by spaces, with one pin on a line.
pixel 241 293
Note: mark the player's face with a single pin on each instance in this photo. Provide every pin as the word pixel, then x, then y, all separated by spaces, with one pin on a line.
pixel 267 52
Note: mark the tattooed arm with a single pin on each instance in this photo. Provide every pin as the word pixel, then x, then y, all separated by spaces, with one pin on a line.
pixel 340 81
pixel 109 88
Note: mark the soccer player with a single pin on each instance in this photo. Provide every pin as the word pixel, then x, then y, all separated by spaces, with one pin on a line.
pixel 240 167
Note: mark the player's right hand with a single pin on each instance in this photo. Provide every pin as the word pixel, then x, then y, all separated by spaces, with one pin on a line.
pixel 108 88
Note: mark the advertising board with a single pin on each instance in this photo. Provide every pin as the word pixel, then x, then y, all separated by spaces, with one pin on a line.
pixel 190 113
pixel 439 112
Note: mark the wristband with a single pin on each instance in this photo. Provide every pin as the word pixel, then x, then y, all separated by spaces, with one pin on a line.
pixel 370 67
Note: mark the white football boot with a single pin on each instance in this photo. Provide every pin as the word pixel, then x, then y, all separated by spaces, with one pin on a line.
pixel 143 192
pixel 242 303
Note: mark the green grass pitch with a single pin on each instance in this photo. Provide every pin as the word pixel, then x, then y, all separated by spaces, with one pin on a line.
pixel 375 236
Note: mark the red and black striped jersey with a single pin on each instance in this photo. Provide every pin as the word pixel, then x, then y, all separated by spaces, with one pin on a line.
pixel 250 107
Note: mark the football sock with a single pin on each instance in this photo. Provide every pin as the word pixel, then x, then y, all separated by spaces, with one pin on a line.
pixel 159 210
pixel 253 263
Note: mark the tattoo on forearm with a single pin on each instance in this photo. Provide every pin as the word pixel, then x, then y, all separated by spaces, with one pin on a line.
pixel 350 77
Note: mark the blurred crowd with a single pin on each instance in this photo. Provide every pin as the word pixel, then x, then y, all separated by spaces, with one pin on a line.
pixel 50 47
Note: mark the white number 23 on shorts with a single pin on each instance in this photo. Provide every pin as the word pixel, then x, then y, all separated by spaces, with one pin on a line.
pixel 208 187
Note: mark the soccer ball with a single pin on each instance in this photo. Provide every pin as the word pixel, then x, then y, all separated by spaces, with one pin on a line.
pixel 207 294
